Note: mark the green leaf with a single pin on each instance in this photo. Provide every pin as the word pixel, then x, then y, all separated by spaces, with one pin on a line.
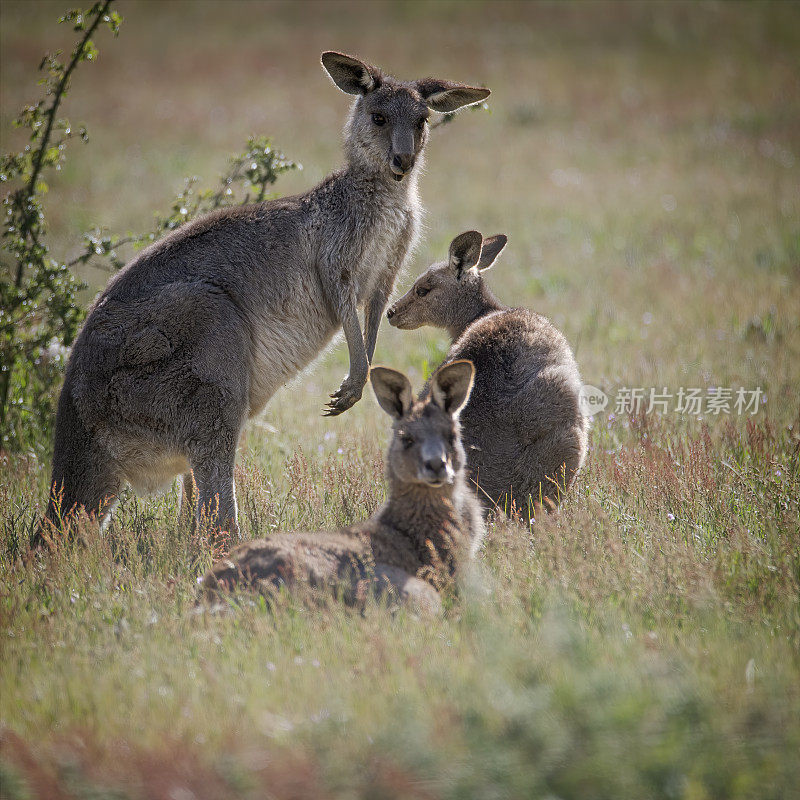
pixel 90 52
pixel 113 20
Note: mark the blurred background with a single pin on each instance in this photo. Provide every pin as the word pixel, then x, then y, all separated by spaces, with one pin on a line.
pixel 642 157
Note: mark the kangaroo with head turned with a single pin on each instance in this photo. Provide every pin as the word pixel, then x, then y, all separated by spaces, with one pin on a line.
pixel 523 429
pixel 416 542
pixel 198 331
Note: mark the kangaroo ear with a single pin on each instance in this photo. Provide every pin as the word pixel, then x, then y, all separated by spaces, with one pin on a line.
pixel 492 247
pixel 392 389
pixel 350 74
pixel 451 386
pixel 448 96
pixel 465 251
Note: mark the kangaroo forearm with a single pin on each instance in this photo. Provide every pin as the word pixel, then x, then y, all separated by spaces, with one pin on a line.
pixel 350 391
pixel 376 305
pixel 359 363
pixel 372 321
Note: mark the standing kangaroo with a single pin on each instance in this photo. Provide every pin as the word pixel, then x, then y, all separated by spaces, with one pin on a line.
pixel 197 332
pixel 416 541
pixel 523 429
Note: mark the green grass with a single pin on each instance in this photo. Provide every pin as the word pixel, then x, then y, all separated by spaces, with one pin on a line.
pixel 645 641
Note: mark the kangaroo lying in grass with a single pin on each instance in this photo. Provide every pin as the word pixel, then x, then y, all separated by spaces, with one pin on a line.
pixel 416 541
pixel 523 430
pixel 198 331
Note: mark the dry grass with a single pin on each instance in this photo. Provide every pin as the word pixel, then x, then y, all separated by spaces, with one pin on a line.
pixel 644 641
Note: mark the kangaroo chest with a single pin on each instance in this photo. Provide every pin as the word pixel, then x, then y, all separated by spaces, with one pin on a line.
pixel 381 242
pixel 361 238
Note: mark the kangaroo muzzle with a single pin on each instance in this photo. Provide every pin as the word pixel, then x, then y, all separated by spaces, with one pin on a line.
pixel 403 153
pixel 434 469
pixel 396 317
pixel 401 164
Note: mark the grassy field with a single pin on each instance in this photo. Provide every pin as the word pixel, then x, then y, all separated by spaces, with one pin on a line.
pixel 644 642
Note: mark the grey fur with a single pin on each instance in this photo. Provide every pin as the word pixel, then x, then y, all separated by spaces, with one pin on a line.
pixel 416 542
pixel 197 332
pixel 523 428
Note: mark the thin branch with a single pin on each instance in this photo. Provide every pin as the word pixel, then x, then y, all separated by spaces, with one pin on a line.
pixel 51 117
pixel 86 256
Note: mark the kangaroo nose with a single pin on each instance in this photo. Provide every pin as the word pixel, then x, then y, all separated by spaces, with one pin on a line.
pixel 402 162
pixel 436 465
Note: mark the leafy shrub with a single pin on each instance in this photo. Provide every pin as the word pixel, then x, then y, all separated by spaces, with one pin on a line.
pixel 39 313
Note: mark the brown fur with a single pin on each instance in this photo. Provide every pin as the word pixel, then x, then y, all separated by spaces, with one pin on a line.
pixel 415 543
pixel 194 336
pixel 523 429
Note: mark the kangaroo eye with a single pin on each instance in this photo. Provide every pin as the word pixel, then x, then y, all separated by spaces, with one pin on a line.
pixel 407 441
pixel 421 123
pixel 379 119
pixel 422 291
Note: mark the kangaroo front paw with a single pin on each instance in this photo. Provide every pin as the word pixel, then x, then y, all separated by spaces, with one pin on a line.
pixel 348 394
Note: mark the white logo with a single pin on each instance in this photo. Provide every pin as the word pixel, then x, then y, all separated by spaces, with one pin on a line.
pixel 591 400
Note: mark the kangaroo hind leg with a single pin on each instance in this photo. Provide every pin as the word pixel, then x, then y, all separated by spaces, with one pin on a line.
pixel 216 493
pixel 84 475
